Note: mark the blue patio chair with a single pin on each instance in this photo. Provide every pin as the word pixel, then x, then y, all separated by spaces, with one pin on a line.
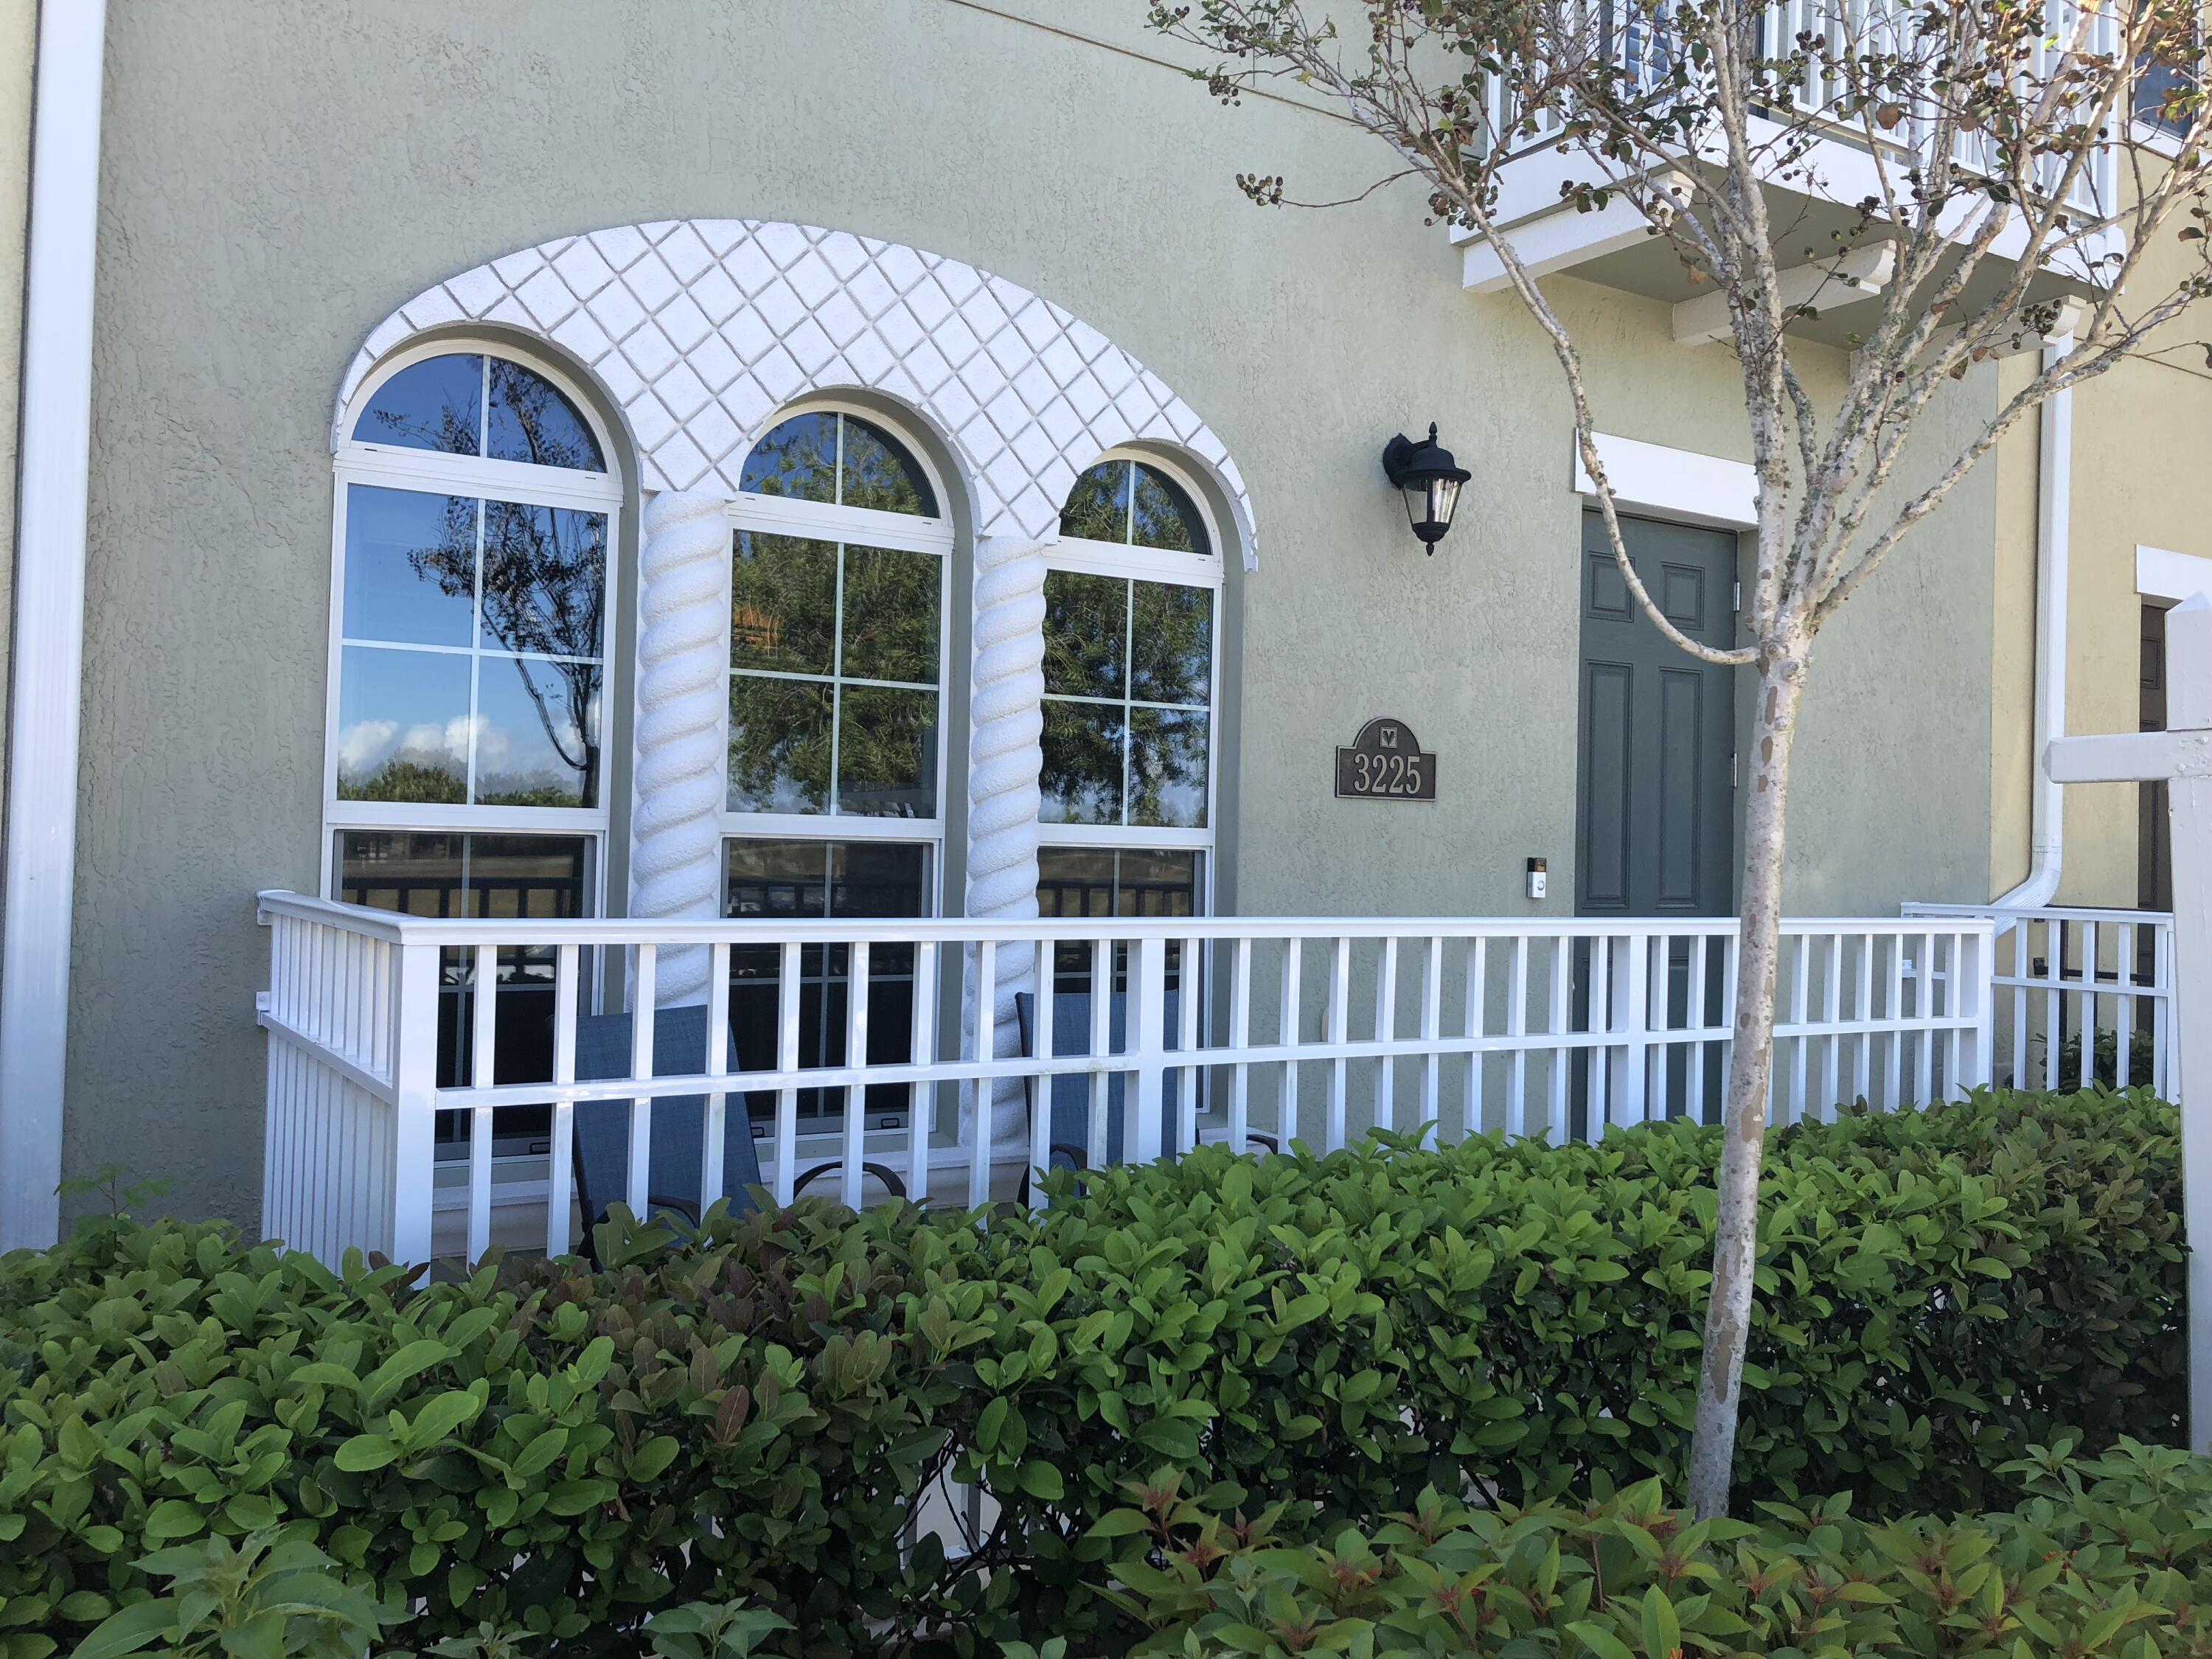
pixel 678 1156
pixel 679 1121
pixel 1070 1133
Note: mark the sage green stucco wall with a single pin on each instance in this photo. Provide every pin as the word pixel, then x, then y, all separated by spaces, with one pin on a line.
pixel 279 175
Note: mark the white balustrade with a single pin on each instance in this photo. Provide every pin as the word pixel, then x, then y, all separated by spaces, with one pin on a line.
pixel 1646 47
pixel 1161 1033
pixel 2068 982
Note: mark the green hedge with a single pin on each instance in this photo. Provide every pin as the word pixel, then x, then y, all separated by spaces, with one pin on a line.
pixel 2114 1557
pixel 751 1413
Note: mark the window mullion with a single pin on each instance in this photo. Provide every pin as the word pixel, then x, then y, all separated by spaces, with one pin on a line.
pixel 837 649
pixel 475 649
pixel 1128 669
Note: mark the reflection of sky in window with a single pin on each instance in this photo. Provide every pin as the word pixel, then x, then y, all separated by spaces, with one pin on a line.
pixel 515 754
pixel 434 404
pixel 407 706
pixel 386 595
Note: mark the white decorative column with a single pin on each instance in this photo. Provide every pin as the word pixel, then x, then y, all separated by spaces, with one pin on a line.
pixel 1005 757
pixel 682 693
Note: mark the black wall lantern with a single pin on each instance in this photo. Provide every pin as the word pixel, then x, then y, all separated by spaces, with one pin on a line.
pixel 1431 479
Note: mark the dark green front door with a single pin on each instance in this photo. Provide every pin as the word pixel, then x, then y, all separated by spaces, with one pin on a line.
pixel 1654 820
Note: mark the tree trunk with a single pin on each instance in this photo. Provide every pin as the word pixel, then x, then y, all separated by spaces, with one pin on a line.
pixel 1736 1235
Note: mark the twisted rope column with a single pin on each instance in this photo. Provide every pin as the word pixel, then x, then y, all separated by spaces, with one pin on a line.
pixel 683 690
pixel 1005 758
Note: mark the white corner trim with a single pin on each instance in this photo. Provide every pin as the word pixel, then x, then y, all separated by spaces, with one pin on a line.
pixel 2163 575
pixel 701 329
pixel 48 669
pixel 1680 483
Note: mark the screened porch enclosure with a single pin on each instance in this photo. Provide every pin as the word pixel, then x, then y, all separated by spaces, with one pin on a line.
pixel 394 1125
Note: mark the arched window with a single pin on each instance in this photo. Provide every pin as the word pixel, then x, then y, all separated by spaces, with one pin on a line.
pixel 839 587
pixel 1131 602
pixel 470 613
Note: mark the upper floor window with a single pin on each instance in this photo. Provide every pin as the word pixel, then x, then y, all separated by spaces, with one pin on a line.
pixel 1130 607
pixel 472 596
pixel 837 603
pixel 462 403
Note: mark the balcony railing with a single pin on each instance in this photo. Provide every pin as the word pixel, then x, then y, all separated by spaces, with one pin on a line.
pixel 2074 990
pixel 861 1058
pixel 1646 49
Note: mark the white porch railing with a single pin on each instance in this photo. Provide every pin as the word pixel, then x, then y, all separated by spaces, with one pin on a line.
pixel 2081 995
pixel 1646 47
pixel 385 1042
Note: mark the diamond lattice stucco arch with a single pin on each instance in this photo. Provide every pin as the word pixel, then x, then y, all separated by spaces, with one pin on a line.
pixel 701 329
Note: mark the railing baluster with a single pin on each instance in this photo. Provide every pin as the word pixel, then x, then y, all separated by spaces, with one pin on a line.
pixel 984 1091
pixel 789 990
pixel 561 1173
pixel 1386 1033
pixel 1042 1045
pixel 1147 1025
pixel 856 1054
pixel 1559 1017
pixel 641 1069
pixel 1095 1147
pixel 1800 990
pixel 1240 1038
pixel 714 1148
pixel 1432 1026
pixel 1293 971
pixel 1478 1024
pixel 411 1152
pixel 1188 1031
pixel 483 1039
pixel 1340 1032
pixel 1832 1011
pixel 921 1097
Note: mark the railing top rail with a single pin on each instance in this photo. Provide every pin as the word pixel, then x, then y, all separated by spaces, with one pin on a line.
pixel 2012 913
pixel 960 930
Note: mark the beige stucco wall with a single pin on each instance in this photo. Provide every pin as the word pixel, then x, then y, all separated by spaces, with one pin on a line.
pixel 278 174
pixel 18 51
pixel 2140 433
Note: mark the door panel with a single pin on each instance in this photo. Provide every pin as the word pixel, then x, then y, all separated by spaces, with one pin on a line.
pixel 1654 828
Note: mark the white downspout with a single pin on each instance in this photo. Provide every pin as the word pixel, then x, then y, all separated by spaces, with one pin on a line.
pixel 2054 509
pixel 47 662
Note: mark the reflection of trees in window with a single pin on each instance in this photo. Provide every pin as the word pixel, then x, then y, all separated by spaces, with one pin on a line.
pixel 1127 674
pixel 833 697
pixel 465 404
pixel 836 457
pixel 1129 503
pixel 543 595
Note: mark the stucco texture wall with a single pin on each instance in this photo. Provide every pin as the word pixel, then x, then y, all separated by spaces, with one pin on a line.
pixel 280 174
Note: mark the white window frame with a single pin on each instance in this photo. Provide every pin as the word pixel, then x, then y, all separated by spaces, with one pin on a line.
pixel 1154 564
pixel 396 466
pixel 824 521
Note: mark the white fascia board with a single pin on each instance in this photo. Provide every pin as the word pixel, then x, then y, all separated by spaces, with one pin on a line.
pixel 1557 240
pixel 2160 574
pixel 48 668
pixel 1679 483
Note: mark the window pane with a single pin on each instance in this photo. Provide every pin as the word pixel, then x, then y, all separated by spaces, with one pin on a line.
pixel 1167 770
pixel 1098 507
pixel 880 474
pixel 434 404
pixel 410 563
pixel 1156 883
pixel 1165 517
pixel 544 580
pixel 776 878
pixel 779 745
pixel 540 878
pixel 783 604
pixel 890 614
pixel 402 725
pixel 1082 777
pixel 798 460
pixel 537 732
pixel 1075 881
pixel 1172 644
pixel 887 753
pixel 1086 623
pixel 879 880
pixel 414 873
pixel 532 421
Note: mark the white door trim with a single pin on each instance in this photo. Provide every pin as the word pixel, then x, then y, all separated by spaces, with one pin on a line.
pixel 1678 484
